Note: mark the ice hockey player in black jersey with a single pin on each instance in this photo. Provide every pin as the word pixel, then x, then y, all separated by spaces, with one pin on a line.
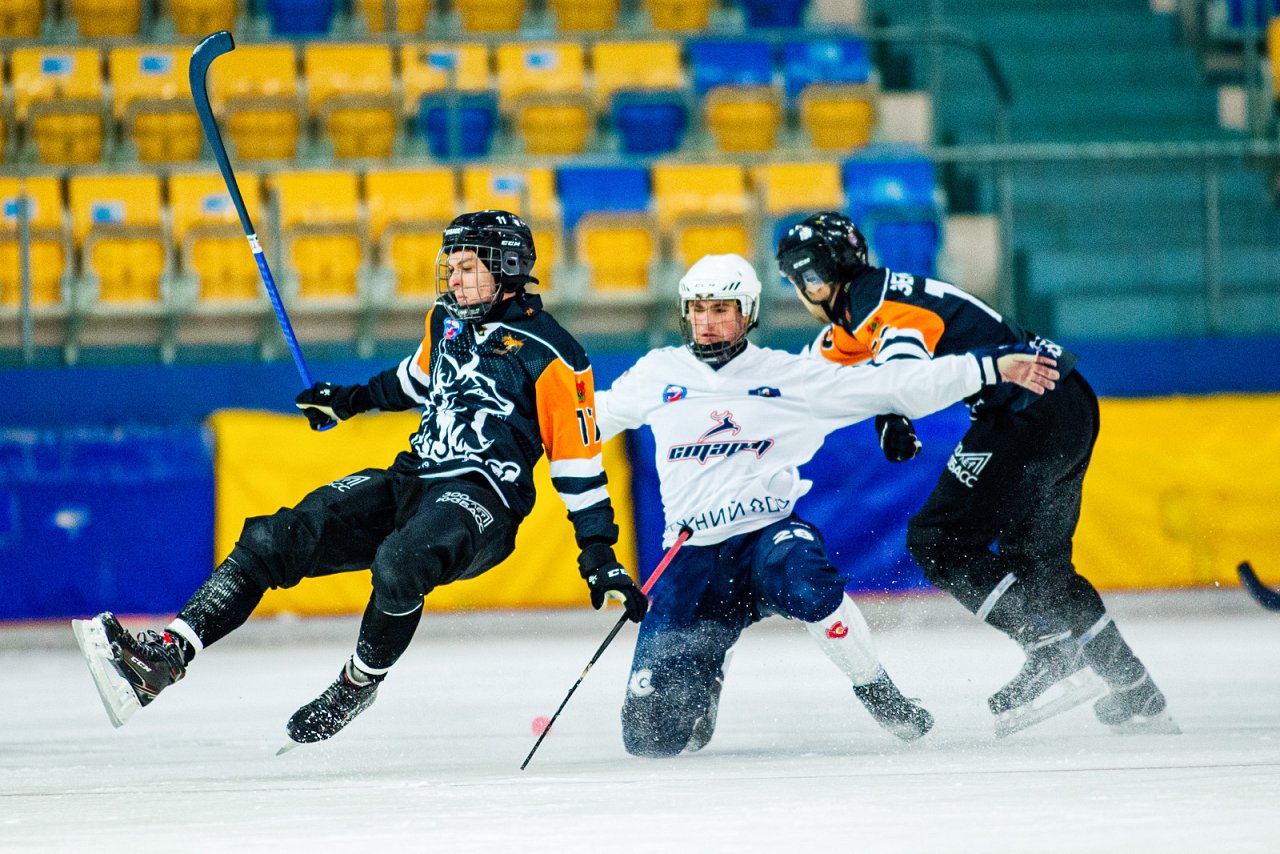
pixel 1015 480
pixel 500 383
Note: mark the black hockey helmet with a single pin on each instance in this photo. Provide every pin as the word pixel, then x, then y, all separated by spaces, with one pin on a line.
pixel 502 242
pixel 826 248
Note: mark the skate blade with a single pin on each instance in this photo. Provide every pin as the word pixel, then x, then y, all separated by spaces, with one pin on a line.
pixel 117 695
pixel 1080 687
pixel 289 745
pixel 1161 724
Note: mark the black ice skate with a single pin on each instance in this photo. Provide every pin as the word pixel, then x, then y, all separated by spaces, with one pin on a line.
pixel 128 670
pixel 1136 708
pixel 338 706
pixel 705 726
pixel 1053 679
pixel 903 717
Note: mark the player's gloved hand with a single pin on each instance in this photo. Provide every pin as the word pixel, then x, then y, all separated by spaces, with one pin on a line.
pixel 1019 364
pixel 325 403
pixel 898 437
pixel 608 580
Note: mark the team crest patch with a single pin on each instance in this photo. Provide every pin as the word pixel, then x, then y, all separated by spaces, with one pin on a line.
pixel 673 392
pixel 451 328
pixel 766 391
pixel 580 387
pixel 477 510
pixel 837 630
pixel 719 441
pixel 510 344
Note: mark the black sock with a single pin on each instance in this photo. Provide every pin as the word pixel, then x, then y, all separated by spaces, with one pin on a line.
pixel 221 604
pixel 383 637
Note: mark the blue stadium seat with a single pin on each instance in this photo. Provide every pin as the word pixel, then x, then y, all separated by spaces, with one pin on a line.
pixel 649 122
pixel 844 60
pixel 1263 9
pixel 774 13
pixel 477 118
pixel 907 246
pixel 583 189
pixel 888 177
pixel 715 62
pixel 300 17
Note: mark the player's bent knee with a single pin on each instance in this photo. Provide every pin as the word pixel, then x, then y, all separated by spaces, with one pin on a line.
pixel 652 728
pixel 264 543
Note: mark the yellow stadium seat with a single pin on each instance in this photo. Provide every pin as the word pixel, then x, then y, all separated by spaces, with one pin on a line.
pixel 685 190
pixel 539 67
pixel 1273 52
pixel 209 237
pixel 319 225
pixel 407 211
pixel 48 241
pixel 151 97
pixel 530 193
pixel 490 16
pixel 255 89
pixel 349 90
pixel 743 118
pixel 585 15
pixel 635 65
pixel 546 242
pixel 115 220
pixel 198 18
pixel 20 19
pixel 838 116
pixel 410 15
pixel 697 236
pixel 679 14
pixel 553 124
pixel 57 93
pixel 426 68
pixel 788 187
pixel 617 250
pixel 102 18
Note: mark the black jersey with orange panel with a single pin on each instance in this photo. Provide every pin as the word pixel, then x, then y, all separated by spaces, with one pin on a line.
pixel 495 397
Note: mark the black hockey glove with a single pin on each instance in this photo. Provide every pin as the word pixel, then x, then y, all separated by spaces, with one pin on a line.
pixel 608 580
pixel 325 403
pixel 898 437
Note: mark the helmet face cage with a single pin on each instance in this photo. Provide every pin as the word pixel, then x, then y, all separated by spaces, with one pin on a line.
pixel 719 278
pixel 731 345
pixel 477 284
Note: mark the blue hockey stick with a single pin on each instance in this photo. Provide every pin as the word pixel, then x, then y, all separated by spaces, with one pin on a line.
pixel 1266 597
pixel 202 57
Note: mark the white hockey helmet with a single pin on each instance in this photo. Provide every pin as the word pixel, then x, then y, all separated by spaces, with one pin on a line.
pixel 720 277
pixel 727 276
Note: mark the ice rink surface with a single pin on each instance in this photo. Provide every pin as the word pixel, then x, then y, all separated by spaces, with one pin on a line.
pixel 796 763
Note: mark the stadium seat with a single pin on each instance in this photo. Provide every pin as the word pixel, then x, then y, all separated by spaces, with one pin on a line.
pixel 1262 9
pixel 151 97
pixel 587 189
pixel 300 17
pixel 529 192
pixel 717 62
pixel 410 15
pixel 743 118
pixel 773 13
pixel 49 249
pixel 58 96
pixel 460 125
pixel 96 19
pixel 838 116
pixel 116 223
pixel 542 85
pixel 788 187
pixel 631 65
pixel 698 236
pixel 21 19
pixel 255 90
pixel 908 245
pixel 679 14
pixel 1273 54
pixel 888 177
pixel 408 209
pixel 209 238
pixel 835 60
pixel 585 16
pixel 689 190
pixel 617 250
pixel 318 223
pixel 198 18
pixel 349 92
pixel 649 122
pixel 440 66
pixel 490 16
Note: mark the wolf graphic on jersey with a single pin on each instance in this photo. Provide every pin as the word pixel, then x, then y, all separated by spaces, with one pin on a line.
pixel 461 402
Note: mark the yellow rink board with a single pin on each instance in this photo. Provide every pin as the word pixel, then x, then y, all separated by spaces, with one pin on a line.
pixel 265 461
pixel 1181 490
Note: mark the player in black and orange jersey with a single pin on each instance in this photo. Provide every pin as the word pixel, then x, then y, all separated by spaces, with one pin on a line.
pixel 500 383
pixel 1014 481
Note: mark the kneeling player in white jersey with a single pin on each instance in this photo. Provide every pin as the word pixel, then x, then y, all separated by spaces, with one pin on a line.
pixel 732 422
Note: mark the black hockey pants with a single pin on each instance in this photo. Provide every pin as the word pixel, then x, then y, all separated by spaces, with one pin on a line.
pixel 1015 482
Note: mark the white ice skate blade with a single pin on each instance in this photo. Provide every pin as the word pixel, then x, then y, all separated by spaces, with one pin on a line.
pixel 117 694
pixel 1161 724
pixel 287 746
pixel 1080 687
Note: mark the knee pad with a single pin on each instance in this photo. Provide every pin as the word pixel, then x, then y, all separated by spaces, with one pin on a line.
pixel 270 545
pixel 670 688
pixel 403 575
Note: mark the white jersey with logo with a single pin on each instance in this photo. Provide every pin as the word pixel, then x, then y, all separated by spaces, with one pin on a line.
pixel 729 442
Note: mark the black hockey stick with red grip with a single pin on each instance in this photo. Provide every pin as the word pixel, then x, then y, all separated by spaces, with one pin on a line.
pixel 685 533
pixel 1266 597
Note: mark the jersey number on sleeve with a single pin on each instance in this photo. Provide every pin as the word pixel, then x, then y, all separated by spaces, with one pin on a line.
pixel 587 425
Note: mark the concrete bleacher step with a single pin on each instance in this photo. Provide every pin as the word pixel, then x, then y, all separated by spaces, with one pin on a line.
pixel 1073 186
pixel 1172 269
pixel 1147 314
pixel 1126 65
pixel 1054 28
